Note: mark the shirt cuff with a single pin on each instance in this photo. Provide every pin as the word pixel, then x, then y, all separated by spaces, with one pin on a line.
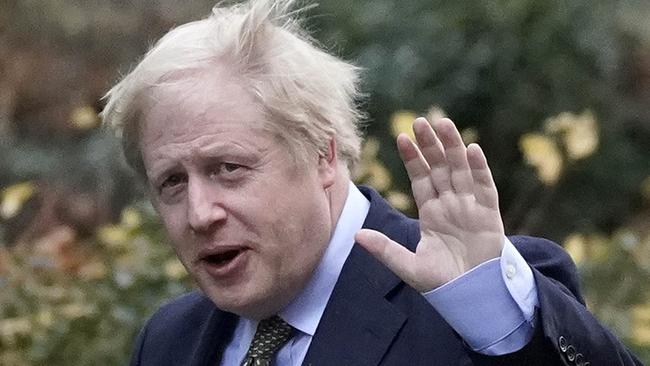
pixel 503 286
pixel 519 280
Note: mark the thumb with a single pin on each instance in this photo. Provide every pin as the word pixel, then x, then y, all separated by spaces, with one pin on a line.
pixel 393 255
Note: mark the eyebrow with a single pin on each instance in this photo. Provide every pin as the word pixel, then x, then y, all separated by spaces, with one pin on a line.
pixel 217 150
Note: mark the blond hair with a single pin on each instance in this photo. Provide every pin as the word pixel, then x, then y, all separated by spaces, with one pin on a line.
pixel 307 95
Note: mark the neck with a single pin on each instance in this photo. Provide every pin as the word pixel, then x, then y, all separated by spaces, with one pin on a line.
pixel 338 193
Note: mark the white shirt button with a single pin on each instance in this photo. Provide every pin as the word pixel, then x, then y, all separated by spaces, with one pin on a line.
pixel 511 270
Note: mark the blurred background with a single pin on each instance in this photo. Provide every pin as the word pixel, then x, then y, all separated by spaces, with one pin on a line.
pixel 556 92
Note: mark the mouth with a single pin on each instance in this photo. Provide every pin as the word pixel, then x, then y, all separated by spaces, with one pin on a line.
pixel 224 262
pixel 223 258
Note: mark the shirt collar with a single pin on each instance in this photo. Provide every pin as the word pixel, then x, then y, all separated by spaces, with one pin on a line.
pixel 305 311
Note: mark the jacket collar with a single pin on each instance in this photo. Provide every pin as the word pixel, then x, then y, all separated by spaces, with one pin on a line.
pixel 345 334
pixel 213 337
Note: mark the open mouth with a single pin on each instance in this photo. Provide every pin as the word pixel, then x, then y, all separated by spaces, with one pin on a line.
pixel 225 261
pixel 221 259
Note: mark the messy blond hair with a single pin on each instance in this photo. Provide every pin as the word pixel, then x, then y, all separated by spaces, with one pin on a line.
pixel 308 96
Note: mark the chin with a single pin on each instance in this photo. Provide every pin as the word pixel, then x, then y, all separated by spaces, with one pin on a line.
pixel 252 310
pixel 234 299
pixel 250 305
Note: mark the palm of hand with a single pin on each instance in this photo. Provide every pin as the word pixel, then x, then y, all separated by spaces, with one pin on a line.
pixel 457 234
pixel 457 203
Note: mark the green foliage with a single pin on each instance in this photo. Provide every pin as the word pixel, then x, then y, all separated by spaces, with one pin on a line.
pixel 75 289
pixel 503 68
pixel 67 301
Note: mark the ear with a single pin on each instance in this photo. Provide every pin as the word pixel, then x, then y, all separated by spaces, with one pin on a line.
pixel 328 165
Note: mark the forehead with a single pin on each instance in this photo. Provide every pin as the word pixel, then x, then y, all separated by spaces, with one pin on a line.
pixel 214 92
pixel 196 106
pixel 214 95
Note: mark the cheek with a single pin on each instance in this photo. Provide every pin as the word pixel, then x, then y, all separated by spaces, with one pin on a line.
pixel 301 232
pixel 175 227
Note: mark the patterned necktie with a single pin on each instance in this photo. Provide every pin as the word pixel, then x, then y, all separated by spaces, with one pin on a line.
pixel 271 334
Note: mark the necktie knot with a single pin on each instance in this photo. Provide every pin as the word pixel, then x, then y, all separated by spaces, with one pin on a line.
pixel 271 334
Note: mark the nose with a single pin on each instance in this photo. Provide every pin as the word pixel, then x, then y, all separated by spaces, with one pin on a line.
pixel 205 212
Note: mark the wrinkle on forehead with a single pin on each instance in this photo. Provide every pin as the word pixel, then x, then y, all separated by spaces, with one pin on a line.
pixel 208 144
pixel 202 99
pixel 202 90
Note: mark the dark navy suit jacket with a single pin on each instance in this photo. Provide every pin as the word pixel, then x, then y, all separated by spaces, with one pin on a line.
pixel 373 318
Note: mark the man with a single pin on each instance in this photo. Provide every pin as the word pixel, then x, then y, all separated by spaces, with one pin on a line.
pixel 246 133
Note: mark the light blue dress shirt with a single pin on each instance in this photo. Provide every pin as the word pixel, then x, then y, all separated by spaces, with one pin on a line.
pixel 505 286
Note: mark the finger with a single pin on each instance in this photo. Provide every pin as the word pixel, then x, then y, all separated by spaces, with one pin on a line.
pixel 417 170
pixel 456 154
pixel 485 190
pixel 396 257
pixel 433 152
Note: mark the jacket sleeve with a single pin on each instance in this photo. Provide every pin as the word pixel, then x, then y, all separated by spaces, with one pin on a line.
pixel 137 347
pixel 566 333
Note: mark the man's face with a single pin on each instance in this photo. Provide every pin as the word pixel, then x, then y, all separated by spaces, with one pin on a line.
pixel 246 221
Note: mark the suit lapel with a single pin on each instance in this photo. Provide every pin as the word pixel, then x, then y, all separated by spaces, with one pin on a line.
pixel 213 338
pixel 359 323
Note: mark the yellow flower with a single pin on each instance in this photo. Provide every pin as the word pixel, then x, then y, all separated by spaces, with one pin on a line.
pixel 370 148
pixel 599 248
pixel 174 269
pixel 13 198
pixel 641 334
pixel 94 270
pixel 113 236
pixel 378 176
pixel 469 135
pixel 12 327
pixel 641 313
pixel 402 122
pixel 575 246
pixel 369 152
pixel 77 310
pixel 542 153
pixel 45 318
pixel 641 251
pixel 131 218
pixel 579 133
pixel 399 200
pixel 84 118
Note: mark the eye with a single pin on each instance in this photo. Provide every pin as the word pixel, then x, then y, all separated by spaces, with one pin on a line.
pixel 227 171
pixel 230 167
pixel 173 180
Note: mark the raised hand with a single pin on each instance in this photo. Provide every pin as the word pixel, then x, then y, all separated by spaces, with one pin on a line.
pixel 458 208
